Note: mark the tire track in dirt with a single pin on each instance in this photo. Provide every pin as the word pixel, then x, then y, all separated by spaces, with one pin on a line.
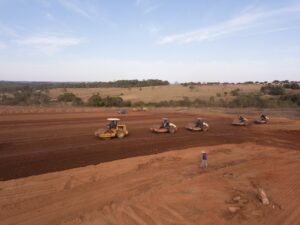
pixel 35 144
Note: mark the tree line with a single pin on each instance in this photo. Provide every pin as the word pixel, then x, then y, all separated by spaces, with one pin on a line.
pixel 283 83
pixel 8 86
pixel 270 95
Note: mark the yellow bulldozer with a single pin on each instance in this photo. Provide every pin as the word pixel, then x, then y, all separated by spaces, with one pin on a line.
pixel 113 130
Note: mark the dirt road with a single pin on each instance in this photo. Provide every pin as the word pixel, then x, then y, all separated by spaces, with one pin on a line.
pixel 32 144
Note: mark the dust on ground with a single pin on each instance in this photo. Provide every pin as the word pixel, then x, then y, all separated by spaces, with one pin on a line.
pixel 166 188
pixel 142 179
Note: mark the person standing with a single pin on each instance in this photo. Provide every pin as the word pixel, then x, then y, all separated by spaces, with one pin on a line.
pixel 204 163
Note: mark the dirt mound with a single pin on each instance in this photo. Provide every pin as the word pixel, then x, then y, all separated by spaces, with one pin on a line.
pixel 167 188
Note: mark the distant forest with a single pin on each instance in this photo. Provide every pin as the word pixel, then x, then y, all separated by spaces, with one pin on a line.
pixel 13 85
pixel 275 94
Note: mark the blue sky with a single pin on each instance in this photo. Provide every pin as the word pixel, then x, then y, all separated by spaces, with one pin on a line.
pixel 175 40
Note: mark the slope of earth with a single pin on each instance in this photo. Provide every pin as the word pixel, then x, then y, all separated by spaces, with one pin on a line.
pixel 166 188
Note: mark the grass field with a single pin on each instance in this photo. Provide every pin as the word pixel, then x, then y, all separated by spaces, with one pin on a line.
pixel 159 93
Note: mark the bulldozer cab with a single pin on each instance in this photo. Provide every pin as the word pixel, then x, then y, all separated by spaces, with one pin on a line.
pixel 242 119
pixel 113 123
pixel 165 123
pixel 199 122
pixel 263 117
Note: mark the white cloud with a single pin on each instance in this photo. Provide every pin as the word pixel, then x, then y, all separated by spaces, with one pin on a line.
pixel 3 45
pixel 7 31
pixel 147 6
pixel 150 9
pixel 45 3
pixel 240 23
pixel 75 7
pixel 273 30
pixel 49 44
pixel 49 40
pixel 151 29
pixel 49 16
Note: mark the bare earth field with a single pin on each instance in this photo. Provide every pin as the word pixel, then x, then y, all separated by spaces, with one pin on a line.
pixel 163 185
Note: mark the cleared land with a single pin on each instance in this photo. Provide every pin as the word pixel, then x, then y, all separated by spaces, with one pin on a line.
pixel 157 187
pixel 32 144
pixel 158 93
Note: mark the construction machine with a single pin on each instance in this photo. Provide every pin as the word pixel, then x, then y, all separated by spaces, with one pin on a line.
pixel 112 130
pixel 263 119
pixel 199 125
pixel 165 127
pixel 242 121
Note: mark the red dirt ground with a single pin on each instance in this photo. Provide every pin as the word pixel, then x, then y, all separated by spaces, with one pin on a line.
pixel 32 144
pixel 166 188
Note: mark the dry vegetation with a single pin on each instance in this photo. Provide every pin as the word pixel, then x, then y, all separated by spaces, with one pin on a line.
pixel 154 93
pixel 159 93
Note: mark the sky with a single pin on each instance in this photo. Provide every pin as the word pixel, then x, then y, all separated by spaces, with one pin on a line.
pixel 174 40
